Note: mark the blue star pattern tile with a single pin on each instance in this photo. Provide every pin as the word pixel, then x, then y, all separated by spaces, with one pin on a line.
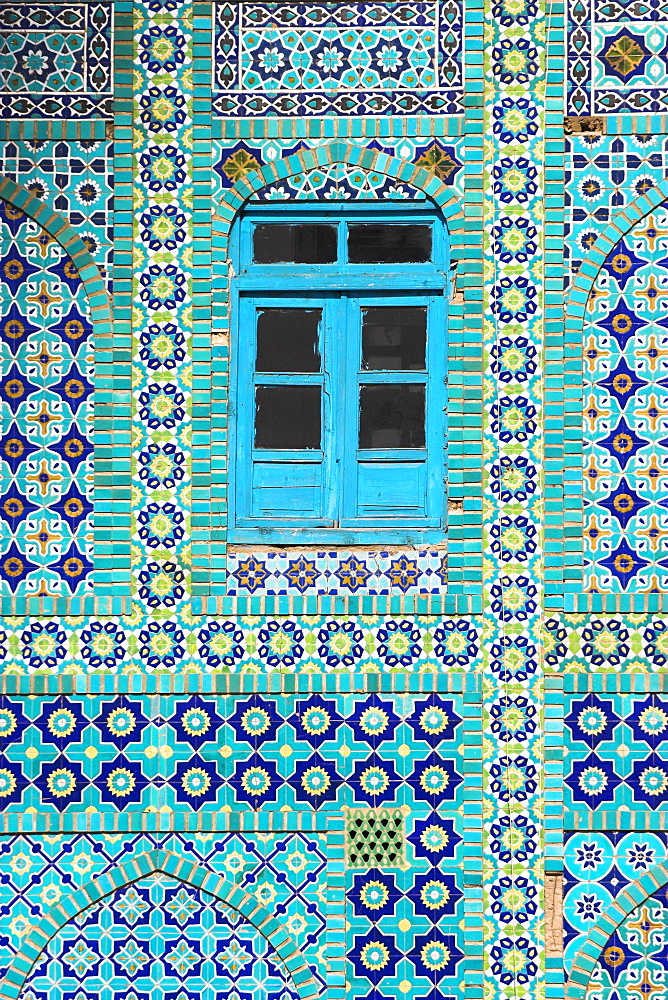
pixel 616 745
pixel 45 393
pixel 264 644
pixel 626 415
pixel 422 572
pixel 209 753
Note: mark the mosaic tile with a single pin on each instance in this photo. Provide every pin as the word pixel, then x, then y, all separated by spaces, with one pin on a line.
pixel 604 175
pixel 46 385
pixel 408 925
pixel 337 572
pixel 320 748
pixel 614 58
pixel 342 59
pixel 623 375
pixel 599 867
pixel 246 646
pixel 198 940
pixel 288 873
pixel 615 752
pixel 56 60
pixel 303 753
pixel 76 180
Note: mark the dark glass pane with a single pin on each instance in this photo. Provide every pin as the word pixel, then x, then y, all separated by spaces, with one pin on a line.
pixel 394 338
pixel 297 244
pixel 392 416
pixel 287 416
pixel 386 244
pixel 287 340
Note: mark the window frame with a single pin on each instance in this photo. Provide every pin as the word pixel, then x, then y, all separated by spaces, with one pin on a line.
pixel 340 289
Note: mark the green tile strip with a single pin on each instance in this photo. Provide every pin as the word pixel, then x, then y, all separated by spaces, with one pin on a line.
pixel 30 130
pixel 563 451
pixel 355 128
pixel 464 529
pixel 250 821
pixel 621 820
pixel 635 124
pixel 553 726
pixel 624 683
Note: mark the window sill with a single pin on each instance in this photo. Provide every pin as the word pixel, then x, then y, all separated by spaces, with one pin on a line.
pixel 330 537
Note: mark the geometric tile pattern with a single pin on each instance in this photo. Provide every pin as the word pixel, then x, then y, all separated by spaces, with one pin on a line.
pixel 337 572
pixel 616 749
pixel 183 753
pixel 520 138
pixel 442 156
pixel 46 385
pixel 611 644
pixel 597 867
pixel 261 645
pixel 160 938
pixel 161 304
pixel 626 414
pixel 403 922
pixel 75 179
pixel 56 60
pixel 338 59
pixel 604 174
pixel 286 873
pixel 634 958
pixel 617 57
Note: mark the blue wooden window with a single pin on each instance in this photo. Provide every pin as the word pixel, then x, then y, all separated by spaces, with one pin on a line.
pixel 338 375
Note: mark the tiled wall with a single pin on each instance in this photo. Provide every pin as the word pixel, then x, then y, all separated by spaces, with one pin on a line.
pixel 214 106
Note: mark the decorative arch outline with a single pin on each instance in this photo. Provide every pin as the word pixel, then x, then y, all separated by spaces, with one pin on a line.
pixel 132 871
pixel 465 414
pixel 625 903
pixel 564 590
pixel 595 259
pixel 67 238
pixel 331 154
pixel 111 430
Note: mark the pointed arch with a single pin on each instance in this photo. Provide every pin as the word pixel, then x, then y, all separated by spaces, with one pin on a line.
pixel 177 868
pixel 625 903
pixel 328 155
pixel 583 282
pixel 63 233
pixel 565 590
pixel 111 428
